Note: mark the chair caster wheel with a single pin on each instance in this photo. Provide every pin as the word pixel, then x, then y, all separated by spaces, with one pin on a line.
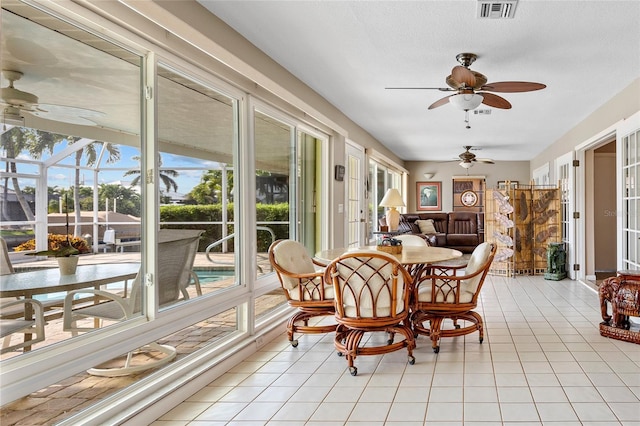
pixel 353 371
pixel 294 343
pixel 457 326
pixel 412 360
pixel 340 354
pixel 436 349
pixel 481 339
pixel 390 342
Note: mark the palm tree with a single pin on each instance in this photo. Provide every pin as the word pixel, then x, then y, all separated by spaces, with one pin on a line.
pixel 90 152
pixel 16 140
pixel 166 175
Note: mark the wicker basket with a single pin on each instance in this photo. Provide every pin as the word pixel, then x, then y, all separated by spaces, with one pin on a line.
pixel 390 249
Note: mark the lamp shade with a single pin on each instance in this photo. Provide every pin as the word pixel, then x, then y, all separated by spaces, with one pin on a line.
pixel 466 164
pixel 466 101
pixel 392 199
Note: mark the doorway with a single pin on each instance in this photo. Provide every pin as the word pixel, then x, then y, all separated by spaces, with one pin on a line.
pixel 605 235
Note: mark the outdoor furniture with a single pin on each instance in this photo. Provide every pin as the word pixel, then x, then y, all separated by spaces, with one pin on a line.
pixel 304 287
pixel 176 254
pixel 451 293
pixel 27 327
pixel 372 291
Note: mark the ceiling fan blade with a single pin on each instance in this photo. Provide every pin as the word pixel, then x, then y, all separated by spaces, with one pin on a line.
pixel 440 102
pixel 494 100
pixel 484 160
pixel 513 86
pixel 442 89
pixel 463 75
pixel 481 80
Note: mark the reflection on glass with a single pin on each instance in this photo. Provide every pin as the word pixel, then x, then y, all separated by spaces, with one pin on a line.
pixel 197 183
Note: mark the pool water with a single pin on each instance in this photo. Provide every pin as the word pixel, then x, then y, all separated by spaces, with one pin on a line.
pixel 208 275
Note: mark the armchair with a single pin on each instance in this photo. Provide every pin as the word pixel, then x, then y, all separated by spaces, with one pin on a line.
pixel 9 327
pixel 372 291
pixel 302 279
pixel 176 254
pixel 451 292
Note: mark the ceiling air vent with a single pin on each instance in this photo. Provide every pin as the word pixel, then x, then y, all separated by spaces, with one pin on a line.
pixel 497 9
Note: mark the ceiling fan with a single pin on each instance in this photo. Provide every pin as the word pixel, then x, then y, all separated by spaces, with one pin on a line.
pixel 468 158
pixel 15 102
pixel 472 88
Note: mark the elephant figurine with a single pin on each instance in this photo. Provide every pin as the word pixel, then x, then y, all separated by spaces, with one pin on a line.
pixel 623 293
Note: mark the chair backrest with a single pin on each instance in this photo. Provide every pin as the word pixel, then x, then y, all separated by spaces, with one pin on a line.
pixel 176 254
pixel 482 254
pixel 463 223
pixel 369 285
pixel 412 240
pixel 109 236
pixel 6 267
pixel 289 257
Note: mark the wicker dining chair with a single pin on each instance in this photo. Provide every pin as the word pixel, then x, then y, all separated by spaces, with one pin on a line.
pixel 372 291
pixel 451 292
pixel 302 279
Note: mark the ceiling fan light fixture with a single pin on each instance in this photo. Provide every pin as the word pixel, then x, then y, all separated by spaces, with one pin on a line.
pixel 466 164
pixel 466 101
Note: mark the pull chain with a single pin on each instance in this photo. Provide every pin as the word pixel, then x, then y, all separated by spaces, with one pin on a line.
pixel 466 118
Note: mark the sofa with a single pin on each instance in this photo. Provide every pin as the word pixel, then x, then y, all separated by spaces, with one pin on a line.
pixel 457 230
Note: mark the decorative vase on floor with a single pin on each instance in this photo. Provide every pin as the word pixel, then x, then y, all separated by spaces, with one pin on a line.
pixel 67 265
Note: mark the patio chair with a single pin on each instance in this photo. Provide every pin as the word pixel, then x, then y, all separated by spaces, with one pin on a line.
pixel 304 287
pixel 372 291
pixel 6 267
pixel 176 253
pixel 451 292
pixel 26 327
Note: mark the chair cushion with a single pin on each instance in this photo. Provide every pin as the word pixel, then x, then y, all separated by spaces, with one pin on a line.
pixel 478 258
pixel 292 256
pixel 426 226
pixel 424 293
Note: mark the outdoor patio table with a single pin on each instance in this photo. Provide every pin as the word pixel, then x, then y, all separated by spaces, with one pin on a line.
pixel 48 280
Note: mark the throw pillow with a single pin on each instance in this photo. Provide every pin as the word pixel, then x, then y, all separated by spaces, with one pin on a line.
pixel 426 226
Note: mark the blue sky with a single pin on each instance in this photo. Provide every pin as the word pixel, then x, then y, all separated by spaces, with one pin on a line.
pixel 63 177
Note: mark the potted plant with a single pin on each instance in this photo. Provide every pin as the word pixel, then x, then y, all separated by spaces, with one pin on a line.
pixel 64 248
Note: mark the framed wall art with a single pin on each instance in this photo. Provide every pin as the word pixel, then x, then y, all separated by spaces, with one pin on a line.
pixel 429 196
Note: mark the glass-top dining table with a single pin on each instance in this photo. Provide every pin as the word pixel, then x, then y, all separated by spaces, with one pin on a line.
pixel 48 280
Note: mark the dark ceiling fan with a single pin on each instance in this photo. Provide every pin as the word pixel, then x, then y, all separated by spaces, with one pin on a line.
pixel 472 88
pixel 468 158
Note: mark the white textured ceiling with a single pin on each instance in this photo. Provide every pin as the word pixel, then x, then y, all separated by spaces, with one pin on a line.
pixel 349 51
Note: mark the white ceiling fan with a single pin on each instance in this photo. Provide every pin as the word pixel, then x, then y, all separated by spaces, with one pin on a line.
pixel 15 102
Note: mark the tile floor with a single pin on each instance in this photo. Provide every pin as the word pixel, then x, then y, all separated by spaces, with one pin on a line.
pixel 543 362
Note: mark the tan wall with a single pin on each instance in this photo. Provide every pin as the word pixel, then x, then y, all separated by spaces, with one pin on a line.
pixel 444 172
pixel 604 218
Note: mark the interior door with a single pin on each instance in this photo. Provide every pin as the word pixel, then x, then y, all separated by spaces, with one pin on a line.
pixel 566 180
pixel 355 194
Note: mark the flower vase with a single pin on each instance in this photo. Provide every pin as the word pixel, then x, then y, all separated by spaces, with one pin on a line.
pixel 67 265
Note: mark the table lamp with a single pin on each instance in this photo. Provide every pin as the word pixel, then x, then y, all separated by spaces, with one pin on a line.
pixel 392 199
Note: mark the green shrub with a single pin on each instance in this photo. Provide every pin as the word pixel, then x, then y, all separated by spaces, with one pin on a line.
pixel 213 213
